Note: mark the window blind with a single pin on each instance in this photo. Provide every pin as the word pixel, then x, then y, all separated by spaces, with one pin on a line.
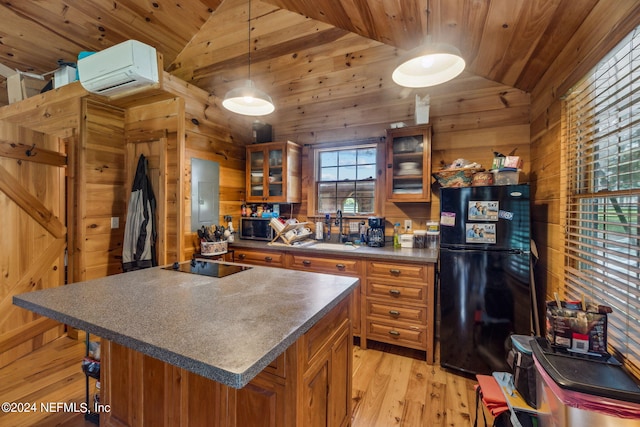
pixel 602 237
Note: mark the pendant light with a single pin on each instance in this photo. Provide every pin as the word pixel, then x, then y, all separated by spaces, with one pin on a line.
pixel 247 99
pixel 429 64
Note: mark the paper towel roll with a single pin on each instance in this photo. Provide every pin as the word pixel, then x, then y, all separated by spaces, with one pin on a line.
pixel 319 232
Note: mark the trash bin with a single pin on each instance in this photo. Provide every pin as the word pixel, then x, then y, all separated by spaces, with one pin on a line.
pixel 582 391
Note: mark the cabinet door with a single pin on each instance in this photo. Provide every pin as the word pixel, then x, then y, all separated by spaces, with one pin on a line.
pixel 327 386
pixel 261 403
pixel 409 164
pixel 273 173
pixel 276 172
pixel 256 176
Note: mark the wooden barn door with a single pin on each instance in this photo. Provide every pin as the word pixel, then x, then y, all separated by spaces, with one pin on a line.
pixel 33 235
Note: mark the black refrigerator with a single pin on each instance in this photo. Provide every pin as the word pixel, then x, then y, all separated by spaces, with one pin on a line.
pixel 484 275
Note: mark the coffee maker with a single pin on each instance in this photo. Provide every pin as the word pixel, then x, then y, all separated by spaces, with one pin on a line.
pixel 375 233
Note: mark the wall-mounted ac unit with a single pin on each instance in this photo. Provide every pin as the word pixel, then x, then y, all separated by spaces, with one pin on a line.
pixel 124 67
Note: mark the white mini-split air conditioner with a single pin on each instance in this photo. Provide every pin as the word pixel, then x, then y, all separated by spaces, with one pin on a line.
pixel 121 68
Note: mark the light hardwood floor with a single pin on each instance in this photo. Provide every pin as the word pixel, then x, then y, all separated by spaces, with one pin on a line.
pixel 391 388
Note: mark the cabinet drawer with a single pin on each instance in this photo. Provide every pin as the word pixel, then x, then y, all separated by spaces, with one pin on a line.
pixel 398 334
pixel 324 265
pixel 414 272
pixel 390 312
pixel 267 258
pixel 406 292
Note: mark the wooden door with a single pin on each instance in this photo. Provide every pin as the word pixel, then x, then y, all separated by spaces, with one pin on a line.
pixel 33 234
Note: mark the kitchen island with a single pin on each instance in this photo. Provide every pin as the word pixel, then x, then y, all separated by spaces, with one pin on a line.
pixel 261 346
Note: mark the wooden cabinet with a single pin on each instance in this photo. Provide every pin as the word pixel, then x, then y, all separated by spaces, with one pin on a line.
pixel 308 385
pixel 273 173
pixel 399 305
pixel 340 266
pixel 409 164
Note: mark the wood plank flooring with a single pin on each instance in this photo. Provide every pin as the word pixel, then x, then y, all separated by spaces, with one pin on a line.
pixel 391 388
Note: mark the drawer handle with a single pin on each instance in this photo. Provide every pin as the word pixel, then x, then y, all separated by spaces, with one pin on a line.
pixel 340 266
pixel 306 262
pixel 395 313
pixel 394 292
pixel 242 256
pixel 268 259
pixel 394 271
pixel 394 333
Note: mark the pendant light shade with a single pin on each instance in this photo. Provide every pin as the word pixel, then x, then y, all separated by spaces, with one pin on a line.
pixel 248 100
pixel 429 65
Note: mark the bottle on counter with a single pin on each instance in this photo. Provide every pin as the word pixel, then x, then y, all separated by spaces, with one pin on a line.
pixel 243 209
pixel 396 235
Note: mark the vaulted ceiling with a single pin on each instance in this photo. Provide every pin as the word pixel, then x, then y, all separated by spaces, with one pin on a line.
pixel 318 59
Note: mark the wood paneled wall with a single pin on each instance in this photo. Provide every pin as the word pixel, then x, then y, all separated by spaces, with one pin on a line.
pixel 207 136
pixel 100 190
pixel 604 28
pixel 470 122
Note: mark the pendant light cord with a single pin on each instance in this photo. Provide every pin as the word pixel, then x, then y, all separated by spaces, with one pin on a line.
pixel 249 38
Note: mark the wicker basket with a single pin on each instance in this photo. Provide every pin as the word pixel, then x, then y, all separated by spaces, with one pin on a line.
pixel 461 177
pixel 213 248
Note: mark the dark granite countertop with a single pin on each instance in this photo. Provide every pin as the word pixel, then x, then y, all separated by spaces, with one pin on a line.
pixel 225 329
pixel 387 252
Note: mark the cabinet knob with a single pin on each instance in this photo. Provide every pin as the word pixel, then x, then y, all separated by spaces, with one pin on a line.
pixel 394 313
pixel 242 256
pixel 340 266
pixel 306 262
pixel 268 259
pixel 394 333
pixel 394 292
pixel 394 271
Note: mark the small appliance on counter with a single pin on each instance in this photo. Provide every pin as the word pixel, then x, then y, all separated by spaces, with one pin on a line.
pixel 375 233
pixel 256 228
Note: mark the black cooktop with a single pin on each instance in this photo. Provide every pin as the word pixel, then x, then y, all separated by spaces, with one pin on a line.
pixel 204 268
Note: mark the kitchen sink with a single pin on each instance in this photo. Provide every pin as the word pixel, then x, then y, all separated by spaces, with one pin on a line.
pixel 334 247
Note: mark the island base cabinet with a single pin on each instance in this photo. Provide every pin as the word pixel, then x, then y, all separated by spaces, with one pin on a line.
pixel 309 385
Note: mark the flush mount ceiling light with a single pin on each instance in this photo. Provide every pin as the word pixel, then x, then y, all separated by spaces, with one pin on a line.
pixel 429 64
pixel 248 99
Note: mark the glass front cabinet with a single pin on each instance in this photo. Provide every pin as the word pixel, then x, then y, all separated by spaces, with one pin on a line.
pixel 273 173
pixel 409 164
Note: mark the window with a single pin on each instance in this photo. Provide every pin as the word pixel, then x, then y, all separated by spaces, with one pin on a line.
pixel 602 130
pixel 346 180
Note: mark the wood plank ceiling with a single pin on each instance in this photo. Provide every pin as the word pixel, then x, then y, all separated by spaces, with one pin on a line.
pixel 322 61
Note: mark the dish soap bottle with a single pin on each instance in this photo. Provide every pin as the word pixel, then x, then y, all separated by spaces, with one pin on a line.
pixel 396 235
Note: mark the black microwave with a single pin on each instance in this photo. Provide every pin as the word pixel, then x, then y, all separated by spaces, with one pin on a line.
pixel 256 229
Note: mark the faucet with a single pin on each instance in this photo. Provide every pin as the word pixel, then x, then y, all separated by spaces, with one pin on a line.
pixel 339 224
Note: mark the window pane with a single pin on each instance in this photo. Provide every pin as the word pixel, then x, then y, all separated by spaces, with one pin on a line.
pixel 328 158
pixel 327 205
pixel 347 157
pixel 346 189
pixel 327 190
pixel 367 156
pixel 347 172
pixel 329 174
pixel 366 172
pixel 365 205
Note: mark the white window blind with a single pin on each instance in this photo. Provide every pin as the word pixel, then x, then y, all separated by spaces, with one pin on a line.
pixel 602 125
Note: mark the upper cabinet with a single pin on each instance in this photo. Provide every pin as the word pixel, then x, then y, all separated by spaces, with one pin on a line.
pixel 273 173
pixel 409 164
